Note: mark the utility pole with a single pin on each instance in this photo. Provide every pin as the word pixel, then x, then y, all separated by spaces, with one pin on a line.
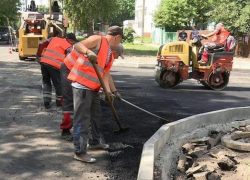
pixel 142 23
pixel 50 10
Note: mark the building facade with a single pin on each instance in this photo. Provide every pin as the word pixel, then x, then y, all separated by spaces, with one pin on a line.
pixel 149 9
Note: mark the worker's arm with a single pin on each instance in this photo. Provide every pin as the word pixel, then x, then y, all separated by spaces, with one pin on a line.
pixel 113 88
pixel 93 42
pixel 43 45
pixel 85 46
pixel 106 80
pixel 212 33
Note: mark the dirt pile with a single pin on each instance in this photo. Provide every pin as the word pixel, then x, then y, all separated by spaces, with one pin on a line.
pixel 208 159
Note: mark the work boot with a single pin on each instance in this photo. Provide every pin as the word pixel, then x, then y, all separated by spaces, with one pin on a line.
pixel 66 135
pixel 99 146
pixel 84 158
pixel 47 105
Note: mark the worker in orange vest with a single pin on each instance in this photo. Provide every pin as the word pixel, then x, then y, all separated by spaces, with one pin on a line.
pixel 219 38
pixel 52 58
pixel 86 85
pixel 67 94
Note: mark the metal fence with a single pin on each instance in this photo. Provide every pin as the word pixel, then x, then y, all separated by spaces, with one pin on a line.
pixel 159 36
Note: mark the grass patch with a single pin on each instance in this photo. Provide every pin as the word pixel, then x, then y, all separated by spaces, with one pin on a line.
pixel 139 50
pixel 145 39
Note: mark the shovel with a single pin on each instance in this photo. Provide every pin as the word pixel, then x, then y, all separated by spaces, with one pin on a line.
pixel 121 128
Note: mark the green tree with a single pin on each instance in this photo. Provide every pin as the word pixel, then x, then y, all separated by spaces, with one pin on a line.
pixel 235 16
pixel 126 11
pixel 83 13
pixel 43 9
pixel 9 9
pixel 177 13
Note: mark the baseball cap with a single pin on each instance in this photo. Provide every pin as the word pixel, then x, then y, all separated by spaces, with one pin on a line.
pixel 71 36
pixel 115 30
pixel 120 49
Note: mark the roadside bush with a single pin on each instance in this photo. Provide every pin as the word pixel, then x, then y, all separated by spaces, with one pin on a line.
pixel 128 35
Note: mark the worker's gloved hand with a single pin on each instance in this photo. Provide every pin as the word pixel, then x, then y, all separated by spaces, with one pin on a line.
pixel 111 98
pixel 117 95
pixel 92 56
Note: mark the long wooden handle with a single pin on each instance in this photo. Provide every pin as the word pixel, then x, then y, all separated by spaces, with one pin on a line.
pixel 107 96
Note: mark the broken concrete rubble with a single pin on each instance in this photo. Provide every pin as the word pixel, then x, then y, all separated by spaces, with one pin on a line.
pixel 206 159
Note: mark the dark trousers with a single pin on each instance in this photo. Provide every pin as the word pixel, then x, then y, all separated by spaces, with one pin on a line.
pixel 206 47
pixel 49 74
pixel 87 110
pixel 67 94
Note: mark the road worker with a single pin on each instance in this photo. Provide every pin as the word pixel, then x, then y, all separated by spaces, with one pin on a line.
pixel 51 60
pixel 220 35
pixel 68 110
pixel 86 85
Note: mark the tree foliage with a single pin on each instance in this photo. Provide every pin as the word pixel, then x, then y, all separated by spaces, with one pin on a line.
pixel 9 9
pixel 177 13
pixel 181 12
pixel 235 16
pixel 83 12
pixel 126 11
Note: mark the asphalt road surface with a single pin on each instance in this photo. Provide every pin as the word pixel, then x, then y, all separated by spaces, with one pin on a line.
pixel 20 98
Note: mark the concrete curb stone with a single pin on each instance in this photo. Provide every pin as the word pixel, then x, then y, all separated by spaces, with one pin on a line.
pixel 174 135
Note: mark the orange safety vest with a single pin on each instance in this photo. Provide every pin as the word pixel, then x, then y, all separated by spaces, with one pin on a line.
pixel 221 37
pixel 71 58
pixel 83 71
pixel 55 52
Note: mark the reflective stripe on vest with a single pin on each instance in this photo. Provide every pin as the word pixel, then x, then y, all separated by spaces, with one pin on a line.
pixel 87 63
pixel 70 59
pixel 55 52
pixel 54 60
pixel 86 76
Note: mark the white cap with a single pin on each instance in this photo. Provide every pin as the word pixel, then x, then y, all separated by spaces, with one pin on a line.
pixel 119 49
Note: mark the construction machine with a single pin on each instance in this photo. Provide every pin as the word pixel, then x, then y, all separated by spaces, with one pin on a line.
pixel 36 27
pixel 178 61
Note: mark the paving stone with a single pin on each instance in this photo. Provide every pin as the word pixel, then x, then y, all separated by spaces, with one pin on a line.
pixel 248 128
pixel 225 163
pixel 214 141
pixel 201 140
pixel 196 169
pixel 213 176
pixel 200 176
pixel 198 151
pixel 182 163
pixel 187 147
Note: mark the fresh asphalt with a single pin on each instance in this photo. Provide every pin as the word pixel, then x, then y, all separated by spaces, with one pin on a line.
pixel 188 98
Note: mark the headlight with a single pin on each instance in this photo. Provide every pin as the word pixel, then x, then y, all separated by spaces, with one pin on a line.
pixel 5 35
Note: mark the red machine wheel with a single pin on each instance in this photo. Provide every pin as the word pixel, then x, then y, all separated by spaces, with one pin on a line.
pixel 169 79
pixel 218 81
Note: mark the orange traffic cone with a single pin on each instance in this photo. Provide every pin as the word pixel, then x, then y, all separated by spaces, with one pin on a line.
pixel 10 50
